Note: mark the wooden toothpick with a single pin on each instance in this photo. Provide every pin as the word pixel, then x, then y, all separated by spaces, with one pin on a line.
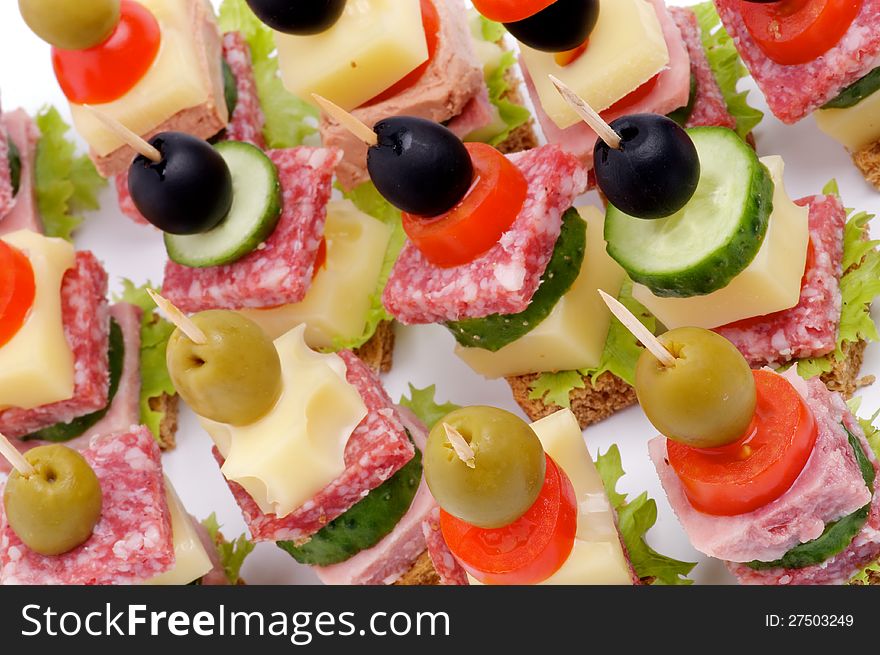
pixel 362 131
pixel 589 115
pixel 180 320
pixel 136 142
pixel 11 454
pixel 638 330
pixel 460 445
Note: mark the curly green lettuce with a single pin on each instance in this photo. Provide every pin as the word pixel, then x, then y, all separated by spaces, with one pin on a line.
pixel 727 67
pixel 65 184
pixel 232 553
pixel 425 407
pixel 870 575
pixel 635 518
pixel 859 286
pixel 621 354
pixel 289 120
pixel 155 332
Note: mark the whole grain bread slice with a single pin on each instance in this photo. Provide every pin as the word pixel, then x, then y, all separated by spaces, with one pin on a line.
pixel 524 137
pixel 867 160
pixel 378 352
pixel 422 573
pixel 170 405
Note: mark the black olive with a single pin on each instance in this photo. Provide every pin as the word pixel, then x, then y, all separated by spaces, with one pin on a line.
pixel 564 25
pixel 419 166
pixel 300 17
pixel 656 170
pixel 188 192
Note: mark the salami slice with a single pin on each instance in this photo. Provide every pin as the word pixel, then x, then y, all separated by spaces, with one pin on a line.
pixel 377 449
pixel 24 213
pixel 132 541
pixel 85 313
pixel 6 192
pixel 793 92
pixel 247 120
pixel 445 564
pixel 503 280
pixel 280 271
pixel 810 328
pixel 126 204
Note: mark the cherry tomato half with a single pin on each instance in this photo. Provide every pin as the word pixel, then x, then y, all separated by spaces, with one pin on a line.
pixel 527 551
pixel 510 11
pixel 632 98
pixel 431 25
pixel 17 291
pixel 108 71
pixel 798 31
pixel 474 225
pixel 758 469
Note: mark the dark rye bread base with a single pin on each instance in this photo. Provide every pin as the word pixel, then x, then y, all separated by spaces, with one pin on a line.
pixel 168 427
pixel 867 160
pixel 421 573
pixel 524 137
pixel 378 352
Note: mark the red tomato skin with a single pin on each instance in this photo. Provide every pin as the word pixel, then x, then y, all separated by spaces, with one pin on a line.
pixel 108 71
pixel 528 551
pixel 761 467
pixel 17 291
pixel 510 11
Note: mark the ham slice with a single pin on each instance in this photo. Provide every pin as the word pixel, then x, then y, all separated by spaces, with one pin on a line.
pixel 24 214
pixel 6 192
pixel 477 114
pixel 216 577
pixel 384 563
pixel 671 92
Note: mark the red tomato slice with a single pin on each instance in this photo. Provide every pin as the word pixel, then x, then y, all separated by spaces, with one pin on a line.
pixel 431 25
pixel 108 71
pixel 510 11
pixel 320 257
pixel 17 291
pixel 527 551
pixel 474 225
pixel 798 31
pixel 638 95
pixel 761 467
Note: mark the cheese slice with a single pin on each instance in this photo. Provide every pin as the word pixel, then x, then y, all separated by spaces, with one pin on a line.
pixel 626 49
pixel 855 127
pixel 573 336
pixel 175 81
pixel 597 557
pixel 336 306
pixel 298 448
pixel 37 365
pixel 191 561
pixel 771 283
pixel 374 44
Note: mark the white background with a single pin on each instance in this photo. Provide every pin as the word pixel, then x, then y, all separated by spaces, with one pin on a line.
pixel 424 354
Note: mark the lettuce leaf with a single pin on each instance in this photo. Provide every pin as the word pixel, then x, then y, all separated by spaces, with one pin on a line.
pixel 621 354
pixel 858 288
pixel 870 575
pixel 232 553
pixel 635 518
pixel 155 332
pixel 727 67
pixel 289 120
pixel 368 200
pixel 65 184
pixel 423 405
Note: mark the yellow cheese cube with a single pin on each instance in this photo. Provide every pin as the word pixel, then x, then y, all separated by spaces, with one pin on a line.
pixel 337 303
pixel 627 48
pixel 854 127
pixel 597 557
pixel 298 448
pixel 191 561
pixel 373 45
pixel 176 81
pixel 36 365
pixel 573 336
pixel 771 283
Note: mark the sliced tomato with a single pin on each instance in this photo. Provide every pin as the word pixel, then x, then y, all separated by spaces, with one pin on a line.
pixel 17 291
pixel 108 71
pixel 510 11
pixel 320 257
pixel 798 31
pixel 431 25
pixel 476 223
pixel 571 56
pixel 527 551
pixel 630 99
pixel 758 469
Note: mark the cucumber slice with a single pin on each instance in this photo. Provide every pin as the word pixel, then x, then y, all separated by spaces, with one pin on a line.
pixel 14 158
pixel 365 524
pixel 256 208
pixel 703 246
pixel 230 87
pixel 496 331
pixel 856 92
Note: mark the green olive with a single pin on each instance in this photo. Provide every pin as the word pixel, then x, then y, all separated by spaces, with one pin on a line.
pixel 71 25
pixel 54 509
pixel 507 472
pixel 707 398
pixel 235 377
